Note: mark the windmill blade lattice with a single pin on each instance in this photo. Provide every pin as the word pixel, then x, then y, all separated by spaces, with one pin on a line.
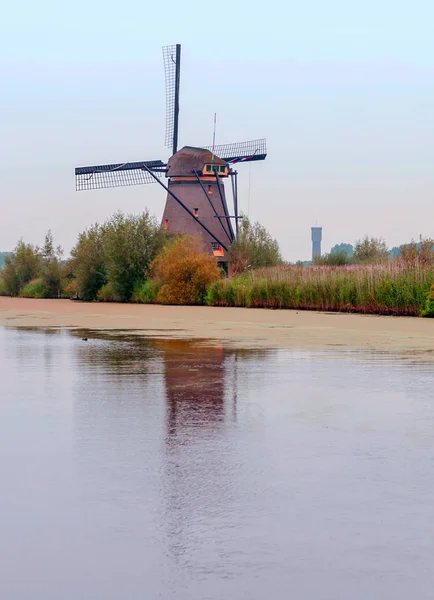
pixel 117 175
pixel 172 71
pixel 241 151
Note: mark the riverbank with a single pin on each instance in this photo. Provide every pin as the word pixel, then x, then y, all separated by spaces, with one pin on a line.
pixel 236 327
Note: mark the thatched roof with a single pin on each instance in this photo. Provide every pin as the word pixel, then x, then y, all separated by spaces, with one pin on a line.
pixel 190 159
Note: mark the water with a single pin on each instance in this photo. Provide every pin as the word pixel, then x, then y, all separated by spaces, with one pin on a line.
pixel 164 469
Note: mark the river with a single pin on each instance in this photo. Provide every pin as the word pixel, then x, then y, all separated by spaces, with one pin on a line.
pixel 136 469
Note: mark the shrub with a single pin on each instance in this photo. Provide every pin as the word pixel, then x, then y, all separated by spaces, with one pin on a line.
pixel 421 252
pixel 36 288
pixel 107 293
pixel 70 289
pixel 183 272
pixel 428 310
pixel 2 287
pixel 334 259
pixel 146 293
pixel 87 263
pixel 370 251
pixel 254 247
pixel 130 243
pixel 20 268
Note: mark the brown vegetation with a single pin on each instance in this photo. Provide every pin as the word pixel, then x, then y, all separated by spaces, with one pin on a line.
pixel 183 272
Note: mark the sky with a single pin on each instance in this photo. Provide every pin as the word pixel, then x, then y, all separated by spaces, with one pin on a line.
pixel 343 92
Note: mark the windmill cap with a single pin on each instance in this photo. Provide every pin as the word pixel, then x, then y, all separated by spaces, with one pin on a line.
pixel 190 159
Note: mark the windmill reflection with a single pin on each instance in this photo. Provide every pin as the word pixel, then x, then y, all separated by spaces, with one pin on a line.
pixel 195 386
pixel 156 431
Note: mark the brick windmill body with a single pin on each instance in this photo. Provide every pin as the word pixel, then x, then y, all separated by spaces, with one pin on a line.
pixel 196 201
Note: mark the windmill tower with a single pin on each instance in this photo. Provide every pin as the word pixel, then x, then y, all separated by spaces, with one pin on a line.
pixel 196 200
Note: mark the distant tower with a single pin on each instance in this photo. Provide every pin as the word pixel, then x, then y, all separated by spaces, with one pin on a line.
pixel 316 242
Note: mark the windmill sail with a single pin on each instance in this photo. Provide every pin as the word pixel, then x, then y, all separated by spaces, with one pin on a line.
pixel 117 175
pixel 172 70
pixel 241 151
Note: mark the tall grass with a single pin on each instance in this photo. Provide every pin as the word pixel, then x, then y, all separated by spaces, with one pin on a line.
pixel 390 289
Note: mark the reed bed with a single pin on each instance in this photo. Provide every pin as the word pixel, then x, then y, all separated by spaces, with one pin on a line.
pixel 389 289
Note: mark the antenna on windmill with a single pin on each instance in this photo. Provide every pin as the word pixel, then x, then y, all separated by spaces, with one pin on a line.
pixel 213 139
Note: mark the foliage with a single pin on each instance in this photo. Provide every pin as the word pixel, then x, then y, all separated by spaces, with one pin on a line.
pixel 428 310
pixel 334 259
pixel 253 248
pixel 87 263
pixel 347 249
pixel 370 251
pixel 146 293
pixel 106 293
pixel 130 243
pixel 20 268
pixel 36 288
pixel 395 252
pixel 50 269
pixel 2 258
pixel 2 287
pixel 70 289
pixel 183 272
pixel 418 253
pixel 394 289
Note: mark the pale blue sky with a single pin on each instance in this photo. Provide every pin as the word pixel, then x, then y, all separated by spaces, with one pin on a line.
pixel 344 94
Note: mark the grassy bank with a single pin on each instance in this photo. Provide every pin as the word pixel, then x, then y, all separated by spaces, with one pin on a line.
pixel 391 289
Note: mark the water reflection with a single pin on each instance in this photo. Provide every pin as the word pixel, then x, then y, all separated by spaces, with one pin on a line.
pixel 139 468
pixel 191 391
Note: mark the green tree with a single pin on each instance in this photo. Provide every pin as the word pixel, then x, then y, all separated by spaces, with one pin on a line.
pixel 2 258
pixel 87 263
pixel 130 243
pixel 22 266
pixel 395 252
pixel 370 251
pixel 342 248
pixel 51 269
pixel 254 247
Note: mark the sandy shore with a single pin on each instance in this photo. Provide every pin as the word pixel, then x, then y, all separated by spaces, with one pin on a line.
pixel 248 328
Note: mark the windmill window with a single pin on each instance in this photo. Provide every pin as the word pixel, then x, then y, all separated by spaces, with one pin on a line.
pixel 166 223
pixel 210 190
pixel 222 169
pixel 208 168
pixel 196 212
pixel 217 249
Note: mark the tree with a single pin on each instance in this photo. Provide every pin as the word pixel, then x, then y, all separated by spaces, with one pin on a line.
pixel 87 263
pixel 395 252
pixel 2 258
pixel 51 270
pixel 347 249
pixel 421 252
pixel 370 251
pixel 130 243
pixel 22 266
pixel 184 272
pixel 254 247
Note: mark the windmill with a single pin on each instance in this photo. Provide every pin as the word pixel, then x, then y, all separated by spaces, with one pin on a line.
pixel 196 200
